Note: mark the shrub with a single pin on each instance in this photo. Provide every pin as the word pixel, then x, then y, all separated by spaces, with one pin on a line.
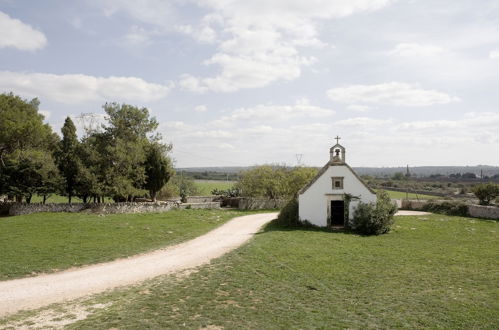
pixel 231 192
pixel 486 192
pixel 288 217
pixel 374 219
pixel 448 208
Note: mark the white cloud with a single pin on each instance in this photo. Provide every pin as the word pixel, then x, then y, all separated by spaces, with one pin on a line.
pixel 77 88
pixel 393 93
pixel 363 122
pixel 267 112
pixel 200 108
pixel 16 34
pixel 138 36
pixel 358 108
pixel 261 39
pixel 494 55
pixel 257 40
pixel 415 50
pixel 203 34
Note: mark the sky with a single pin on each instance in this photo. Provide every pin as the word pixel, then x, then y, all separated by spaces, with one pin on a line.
pixel 239 83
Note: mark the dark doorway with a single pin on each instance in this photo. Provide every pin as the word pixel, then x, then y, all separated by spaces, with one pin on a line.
pixel 337 213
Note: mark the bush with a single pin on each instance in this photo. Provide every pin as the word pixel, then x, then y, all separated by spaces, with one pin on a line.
pixel 448 208
pixel 374 219
pixel 231 192
pixel 486 192
pixel 288 217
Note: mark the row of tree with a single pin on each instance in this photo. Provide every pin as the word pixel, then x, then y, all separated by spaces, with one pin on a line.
pixel 124 158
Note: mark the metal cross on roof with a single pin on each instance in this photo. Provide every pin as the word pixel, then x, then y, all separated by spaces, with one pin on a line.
pixel 337 139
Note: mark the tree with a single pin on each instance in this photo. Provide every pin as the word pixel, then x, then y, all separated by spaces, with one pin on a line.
pixel 122 147
pixel 158 170
pixel 30 172
pixel 274 181
pixel 26 147
pixel 68 161
pixel 486 192
pixel 22 127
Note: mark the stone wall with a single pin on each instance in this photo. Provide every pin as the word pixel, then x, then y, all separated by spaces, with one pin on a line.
pixel 107 208
pixel 207 205
pixel 476 211
pixel 413 204
pixel 200 199
pixel 231 201
pixel 485 212
pixel 23 208
pixel 260 203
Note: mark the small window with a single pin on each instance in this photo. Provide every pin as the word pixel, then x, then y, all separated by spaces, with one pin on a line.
pixel 337 182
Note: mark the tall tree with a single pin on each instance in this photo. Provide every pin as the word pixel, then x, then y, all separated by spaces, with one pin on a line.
pixel 127 136
pixel 22 127
pixel 68 161
pixel 30 172
pixel 158 170
pixel 26 147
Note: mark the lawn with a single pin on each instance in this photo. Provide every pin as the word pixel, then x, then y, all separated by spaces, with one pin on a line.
pixel 46 242
pixel 430 272
pixel 205 187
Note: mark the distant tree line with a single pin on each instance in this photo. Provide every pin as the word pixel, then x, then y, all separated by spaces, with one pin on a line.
pixel 123 159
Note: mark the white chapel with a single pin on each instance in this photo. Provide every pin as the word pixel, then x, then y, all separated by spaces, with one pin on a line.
pixel 323 200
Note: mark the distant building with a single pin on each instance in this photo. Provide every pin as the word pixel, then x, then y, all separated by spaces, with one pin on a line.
pixel 323 200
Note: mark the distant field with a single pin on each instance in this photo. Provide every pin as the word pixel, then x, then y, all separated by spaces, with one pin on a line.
pixel 205 187
pixel 55 199
pixel 403 195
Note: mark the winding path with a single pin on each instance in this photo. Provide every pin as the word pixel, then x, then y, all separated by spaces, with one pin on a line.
pixel 34 292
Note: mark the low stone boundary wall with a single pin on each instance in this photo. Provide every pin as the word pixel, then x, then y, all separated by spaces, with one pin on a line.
pixel 486 212
pixel 200 199
pixel 23 208
pixel 414 204
pixel 476 211
pixel 231 201
pixel 107 208
pixel 260 203
pixel 207 205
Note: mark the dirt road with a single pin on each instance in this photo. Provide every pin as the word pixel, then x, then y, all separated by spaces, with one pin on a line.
pixel 34 292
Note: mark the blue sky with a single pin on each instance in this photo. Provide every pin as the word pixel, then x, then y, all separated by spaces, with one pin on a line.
pixel 237 82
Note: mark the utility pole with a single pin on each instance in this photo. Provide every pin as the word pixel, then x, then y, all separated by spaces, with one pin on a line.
pixel 298 159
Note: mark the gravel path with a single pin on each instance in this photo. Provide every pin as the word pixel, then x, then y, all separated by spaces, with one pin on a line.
pixel 34 292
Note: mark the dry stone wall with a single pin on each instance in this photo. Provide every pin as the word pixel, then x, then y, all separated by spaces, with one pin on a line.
pixel 200 199
pixel 107 208
pixel 476 211
pixel 486 212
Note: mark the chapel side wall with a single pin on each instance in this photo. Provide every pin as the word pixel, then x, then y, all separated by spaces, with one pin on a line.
pixel 314 202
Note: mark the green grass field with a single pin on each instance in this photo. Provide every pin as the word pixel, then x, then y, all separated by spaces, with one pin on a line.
pixel 46 242
pixel 430 272
pixel 402 195
pixel 205 187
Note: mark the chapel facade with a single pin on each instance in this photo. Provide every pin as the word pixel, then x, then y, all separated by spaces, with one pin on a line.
pixel 331 197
